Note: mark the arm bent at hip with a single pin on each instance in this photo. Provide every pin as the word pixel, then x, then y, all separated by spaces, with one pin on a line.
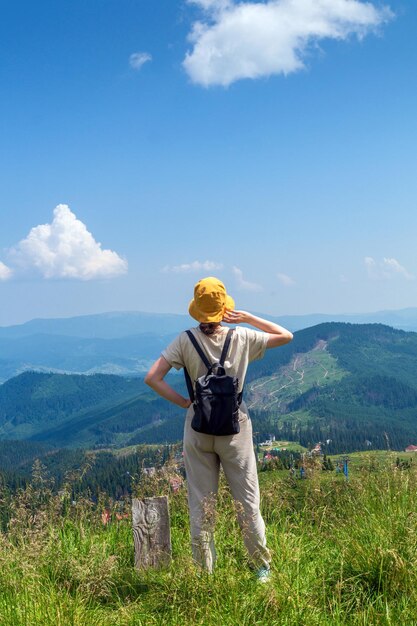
pixel 155 379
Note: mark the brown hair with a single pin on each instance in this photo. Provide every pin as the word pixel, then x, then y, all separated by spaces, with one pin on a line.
pixel 208 328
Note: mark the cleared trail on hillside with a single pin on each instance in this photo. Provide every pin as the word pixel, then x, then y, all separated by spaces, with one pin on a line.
pixel 295 375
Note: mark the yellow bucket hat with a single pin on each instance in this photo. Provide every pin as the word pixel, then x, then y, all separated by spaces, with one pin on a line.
pixel 210 301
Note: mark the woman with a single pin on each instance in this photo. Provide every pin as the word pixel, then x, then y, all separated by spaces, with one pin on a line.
pixel 203 454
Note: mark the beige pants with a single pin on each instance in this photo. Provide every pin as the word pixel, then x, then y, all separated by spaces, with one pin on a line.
pixel 203 455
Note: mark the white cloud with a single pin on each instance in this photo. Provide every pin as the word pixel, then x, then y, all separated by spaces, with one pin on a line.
pixel 371 267
pixel 252 39
pixel 138 59
pixel 285 280
pixel 386 269
pixel 243 284
pixel 195 266
pixel 66 249
pixel 5 272
pixel 392 267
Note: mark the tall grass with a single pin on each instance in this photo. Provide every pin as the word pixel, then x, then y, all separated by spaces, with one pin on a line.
pixel 344 553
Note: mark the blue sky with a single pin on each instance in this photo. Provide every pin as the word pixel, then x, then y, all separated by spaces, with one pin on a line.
pixel 274 145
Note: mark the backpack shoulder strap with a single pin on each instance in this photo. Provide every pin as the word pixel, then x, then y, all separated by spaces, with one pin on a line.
pixel 226 346
pixel 189 385
pixel 198 349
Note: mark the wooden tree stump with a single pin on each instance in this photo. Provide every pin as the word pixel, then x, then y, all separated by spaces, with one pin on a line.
pixel 151 532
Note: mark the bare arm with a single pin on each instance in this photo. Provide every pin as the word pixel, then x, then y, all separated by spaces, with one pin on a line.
pixel 155 379
pixel 277 335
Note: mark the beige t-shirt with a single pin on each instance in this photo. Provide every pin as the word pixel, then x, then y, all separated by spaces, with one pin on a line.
pixel 246 345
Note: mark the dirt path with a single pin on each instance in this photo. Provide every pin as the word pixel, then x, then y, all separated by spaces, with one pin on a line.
pixel 326 372
pixel 295 378
pixel 265 382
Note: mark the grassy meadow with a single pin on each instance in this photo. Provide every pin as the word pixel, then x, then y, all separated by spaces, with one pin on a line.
pixel 344 553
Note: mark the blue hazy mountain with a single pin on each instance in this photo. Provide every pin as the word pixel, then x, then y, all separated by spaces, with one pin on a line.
pixel 102 325
pixel 130 355
pixel 126 343
pixel 119 324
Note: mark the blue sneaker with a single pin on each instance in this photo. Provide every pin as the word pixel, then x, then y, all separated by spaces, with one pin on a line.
pixel 263 574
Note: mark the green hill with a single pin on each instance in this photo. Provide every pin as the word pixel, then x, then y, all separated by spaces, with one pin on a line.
pixel 352 385
pixel 85 411
pixel 34 402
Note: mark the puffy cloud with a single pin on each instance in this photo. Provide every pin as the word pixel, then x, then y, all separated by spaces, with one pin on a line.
pixel 285 280
pixel 242 284
pixel 138 59
pixel 66 249
pixel 252 39
pixel 5 272
pixel 195 266
pixel 387 269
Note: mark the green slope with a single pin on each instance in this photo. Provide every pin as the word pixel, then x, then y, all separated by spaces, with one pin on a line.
pixel 348 383
pixel 367 390
pixel 138 420
pixel 33 402
pixel 315 368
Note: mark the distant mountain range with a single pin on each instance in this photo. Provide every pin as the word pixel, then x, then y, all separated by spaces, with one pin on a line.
pixel 351 386
pixel 126 356
pixel 126 343
pixel 115 325
pixel 403 319
pixel 119 324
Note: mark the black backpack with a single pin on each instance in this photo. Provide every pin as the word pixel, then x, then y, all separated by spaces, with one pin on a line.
pixel 216 400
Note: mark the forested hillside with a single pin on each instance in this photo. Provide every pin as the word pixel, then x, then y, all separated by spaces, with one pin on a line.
pixel 90 473
pixel 85 411
pixel 33 401
pixel 353 385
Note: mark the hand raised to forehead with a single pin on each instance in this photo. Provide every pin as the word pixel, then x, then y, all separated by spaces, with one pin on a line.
pixel 235 317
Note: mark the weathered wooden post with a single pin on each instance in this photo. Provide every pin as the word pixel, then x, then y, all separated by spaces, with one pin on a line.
pixel 151 532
